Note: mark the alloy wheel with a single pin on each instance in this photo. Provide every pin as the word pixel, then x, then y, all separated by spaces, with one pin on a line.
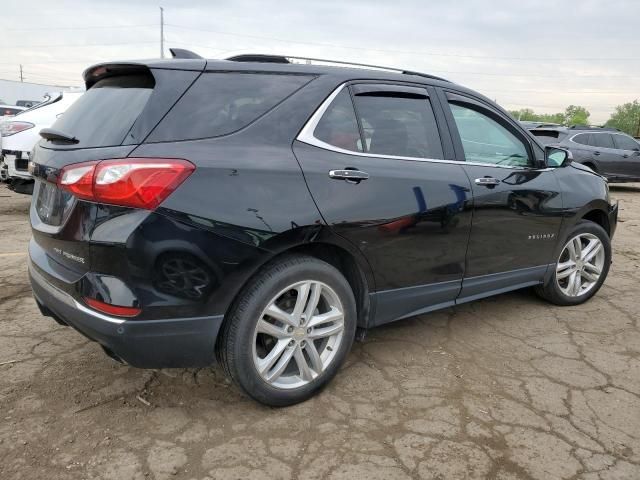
pixel 580 265
pixel 298 334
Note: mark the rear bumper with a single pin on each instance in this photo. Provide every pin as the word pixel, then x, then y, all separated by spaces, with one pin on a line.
pixel 168 343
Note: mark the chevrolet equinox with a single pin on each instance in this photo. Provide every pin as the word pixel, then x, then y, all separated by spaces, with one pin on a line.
pixel 261 212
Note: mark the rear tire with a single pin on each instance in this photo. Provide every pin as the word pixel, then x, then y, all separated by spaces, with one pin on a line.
pixel 581 268
pixel 289 332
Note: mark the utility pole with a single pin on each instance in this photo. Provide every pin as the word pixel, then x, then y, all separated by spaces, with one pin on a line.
pixel 161 32
pixel 21 76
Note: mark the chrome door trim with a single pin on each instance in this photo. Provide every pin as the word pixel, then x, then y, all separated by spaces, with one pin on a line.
pixel 306 136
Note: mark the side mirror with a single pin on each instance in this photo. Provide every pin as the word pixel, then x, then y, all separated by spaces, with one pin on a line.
pixel 557 157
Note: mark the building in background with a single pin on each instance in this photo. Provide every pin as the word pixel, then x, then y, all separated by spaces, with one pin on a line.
pixel 12 92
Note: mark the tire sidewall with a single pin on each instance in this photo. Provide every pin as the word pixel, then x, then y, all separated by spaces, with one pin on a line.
pixel 261 292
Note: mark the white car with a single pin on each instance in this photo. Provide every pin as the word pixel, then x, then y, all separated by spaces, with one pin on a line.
pixel 19 134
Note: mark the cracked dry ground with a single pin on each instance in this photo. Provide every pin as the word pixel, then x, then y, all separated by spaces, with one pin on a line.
pixel 505 388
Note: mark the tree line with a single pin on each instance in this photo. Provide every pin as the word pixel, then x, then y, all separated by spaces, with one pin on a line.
pixel 626 117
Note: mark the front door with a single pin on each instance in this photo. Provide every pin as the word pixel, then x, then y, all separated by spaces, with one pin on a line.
pixel 380 181
pixel 628 153
pixel 517 202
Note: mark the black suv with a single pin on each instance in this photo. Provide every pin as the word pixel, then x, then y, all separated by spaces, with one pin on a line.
pixel 608 151
pixel 263 212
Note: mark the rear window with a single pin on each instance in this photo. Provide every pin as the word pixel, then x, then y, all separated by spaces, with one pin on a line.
pixel 6 111
pixel 106 112
pixel 604 140
pixel 222 103
pixel 549 137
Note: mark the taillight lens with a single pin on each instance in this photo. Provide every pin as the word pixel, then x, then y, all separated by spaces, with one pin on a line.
pixel 112 309
pixel 131 182
pixel 11 128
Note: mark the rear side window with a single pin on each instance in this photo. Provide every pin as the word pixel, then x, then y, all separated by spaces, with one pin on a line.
pixel 583 139
pixel 338 126
pixel 603 140
pixel 626 143
pixel 105 113
pixel 398 125
pixel 222 103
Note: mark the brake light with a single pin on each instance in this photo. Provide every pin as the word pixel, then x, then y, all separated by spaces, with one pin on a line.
pixel 11 128
pixel 112 309
pixel 130 182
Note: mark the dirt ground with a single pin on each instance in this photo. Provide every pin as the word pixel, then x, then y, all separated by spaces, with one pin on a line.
pixel 505 388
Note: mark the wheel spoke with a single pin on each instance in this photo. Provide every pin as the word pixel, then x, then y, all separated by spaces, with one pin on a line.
pixel 277 313
pixel 303 294
pixel 592 277
pixel 592 268
pixel 577 246
pixel 572 250
pixel 305 371
pixel 588 255
pixel 333 315
pixel 314 356
pixel 326 331
pixel 271 329
pixel 574 283
pixel 564 269
pixel 314 298
pixel 282 364
pixel 264 364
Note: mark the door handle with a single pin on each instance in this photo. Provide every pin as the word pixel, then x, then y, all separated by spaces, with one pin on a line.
pixel 487 181
pixel 596 153
pixel 626 155
pixel 355 176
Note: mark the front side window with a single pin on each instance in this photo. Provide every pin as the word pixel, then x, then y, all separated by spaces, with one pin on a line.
pixel 338 125
pixel 486 141
pixel 604 140
pixel 398 125
pixel 626 143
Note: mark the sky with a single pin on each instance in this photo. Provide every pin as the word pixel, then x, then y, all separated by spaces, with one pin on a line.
pixel 540 54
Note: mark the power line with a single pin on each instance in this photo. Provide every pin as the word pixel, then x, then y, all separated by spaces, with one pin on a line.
pixel 77 45
pixel 408 52
pixel 93 27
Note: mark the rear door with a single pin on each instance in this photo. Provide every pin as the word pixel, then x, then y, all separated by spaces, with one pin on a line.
pixel 517 201
pixel 378 175
pixel 609 159
pixel 628 156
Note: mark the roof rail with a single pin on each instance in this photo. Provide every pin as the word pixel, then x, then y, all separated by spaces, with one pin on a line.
pixel 182 53
pixel 285 59
pixel 593 127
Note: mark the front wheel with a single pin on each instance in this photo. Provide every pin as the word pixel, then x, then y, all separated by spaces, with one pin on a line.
pixel 582 266
pixel 290 331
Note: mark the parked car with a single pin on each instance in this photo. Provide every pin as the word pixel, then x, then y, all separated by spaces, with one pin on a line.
pixel 608 151
pixel 19 135
pixel 262 212
pixel 531 125
pixel 9 111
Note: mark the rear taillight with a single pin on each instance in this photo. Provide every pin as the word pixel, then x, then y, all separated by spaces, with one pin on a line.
pixel 112 309
pixel 130 182
pixel 11 128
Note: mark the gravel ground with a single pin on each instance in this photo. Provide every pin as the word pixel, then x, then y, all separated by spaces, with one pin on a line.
pixel 505 388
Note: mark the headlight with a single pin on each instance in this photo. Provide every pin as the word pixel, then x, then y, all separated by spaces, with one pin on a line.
pixel 11 128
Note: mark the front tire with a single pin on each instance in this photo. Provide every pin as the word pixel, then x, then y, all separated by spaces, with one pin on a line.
pixel 581 268
pixel 288 333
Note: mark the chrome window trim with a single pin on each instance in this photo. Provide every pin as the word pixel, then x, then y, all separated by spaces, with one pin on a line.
pixel 592 146
pixel 306 136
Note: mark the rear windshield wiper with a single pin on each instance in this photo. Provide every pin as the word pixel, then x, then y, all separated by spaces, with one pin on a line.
pixel 52 134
